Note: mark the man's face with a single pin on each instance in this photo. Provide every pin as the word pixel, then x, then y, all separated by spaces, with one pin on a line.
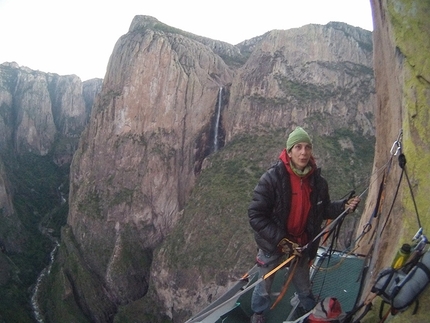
pixel 300 154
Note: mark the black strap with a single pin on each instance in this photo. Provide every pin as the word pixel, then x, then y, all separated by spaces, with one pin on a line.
pixel 417 304
pixel 323 308
pixel 381 309
pixel 402 163
pixel 392 203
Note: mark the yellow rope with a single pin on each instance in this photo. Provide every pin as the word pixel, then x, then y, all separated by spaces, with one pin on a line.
pixel 270 273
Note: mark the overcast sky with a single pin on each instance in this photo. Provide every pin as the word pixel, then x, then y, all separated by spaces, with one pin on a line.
pixel 77 37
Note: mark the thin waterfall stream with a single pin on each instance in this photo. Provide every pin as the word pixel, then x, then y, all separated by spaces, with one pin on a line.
pixel 47 270
pixel 35 297
pixel 218 116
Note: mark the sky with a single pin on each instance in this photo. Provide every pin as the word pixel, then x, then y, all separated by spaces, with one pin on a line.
pixel 77 37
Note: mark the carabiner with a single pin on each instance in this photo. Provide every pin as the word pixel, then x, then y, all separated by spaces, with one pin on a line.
pixel 397 143
pixel 399 147
pixel 418 234
pixel 367 227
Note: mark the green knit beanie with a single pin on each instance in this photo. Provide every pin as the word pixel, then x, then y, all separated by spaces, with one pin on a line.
pixel 298 135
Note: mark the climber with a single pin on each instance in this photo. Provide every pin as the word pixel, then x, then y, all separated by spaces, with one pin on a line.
pixel 289 204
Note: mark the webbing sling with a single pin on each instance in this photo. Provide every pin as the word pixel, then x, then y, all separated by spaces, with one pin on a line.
pixel 287 283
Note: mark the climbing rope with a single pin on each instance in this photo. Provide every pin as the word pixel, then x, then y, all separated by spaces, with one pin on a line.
pixel 419 238
pixel 402 163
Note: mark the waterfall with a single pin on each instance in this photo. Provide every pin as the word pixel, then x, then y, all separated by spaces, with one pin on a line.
pixel 218 116
pixel 45 272
pixel 38 315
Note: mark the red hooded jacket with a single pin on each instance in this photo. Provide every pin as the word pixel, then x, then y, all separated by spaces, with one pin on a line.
pixel 273 205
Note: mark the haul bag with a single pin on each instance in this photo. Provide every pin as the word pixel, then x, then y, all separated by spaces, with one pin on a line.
pixel 412 285
pixel 399 289
pixel 386 282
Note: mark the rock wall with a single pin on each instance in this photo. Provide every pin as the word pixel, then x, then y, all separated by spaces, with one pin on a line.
pixel 41 114
pixel 136 162
pixel 402 72
pixel 299 77
pixel 39 110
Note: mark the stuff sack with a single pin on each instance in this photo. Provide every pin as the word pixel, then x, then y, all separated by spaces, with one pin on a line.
pixel 328 310
pixel 386 283
pixel 399 289
pixel 412 285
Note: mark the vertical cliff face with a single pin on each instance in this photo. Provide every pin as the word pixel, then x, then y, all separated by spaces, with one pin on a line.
pixel 40 114
pixel 39 108
pixel 31 123
pixel 136 162
pixel 41 118
pixel 11 228
pixel 402 71
pixel 151 129
pixel 303 73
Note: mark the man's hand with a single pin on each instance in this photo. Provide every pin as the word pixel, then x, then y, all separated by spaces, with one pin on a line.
pixel 352 203
pixel 289 247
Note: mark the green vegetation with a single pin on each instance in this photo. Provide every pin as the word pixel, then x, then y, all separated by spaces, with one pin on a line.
pixel 368 46
pixel 91 205
pixel 7 80
pixel 266 102
pixel 351 163
pixel 305 92
pixel 169 29
pixel 36 201
pixel 59 283
pixel 142 310
pixel 123 196
pixel 413 48
pixel 66 310
pixel 234 61
pixel 223 191
pixel 219 203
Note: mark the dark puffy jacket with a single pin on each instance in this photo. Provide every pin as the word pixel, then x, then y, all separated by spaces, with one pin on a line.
pixel 271 203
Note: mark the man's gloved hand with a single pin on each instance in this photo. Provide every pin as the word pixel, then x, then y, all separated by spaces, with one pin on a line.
pixel 352 203
pixel 289 247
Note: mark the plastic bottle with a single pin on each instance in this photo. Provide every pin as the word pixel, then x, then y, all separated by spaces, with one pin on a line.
pixel 401 256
